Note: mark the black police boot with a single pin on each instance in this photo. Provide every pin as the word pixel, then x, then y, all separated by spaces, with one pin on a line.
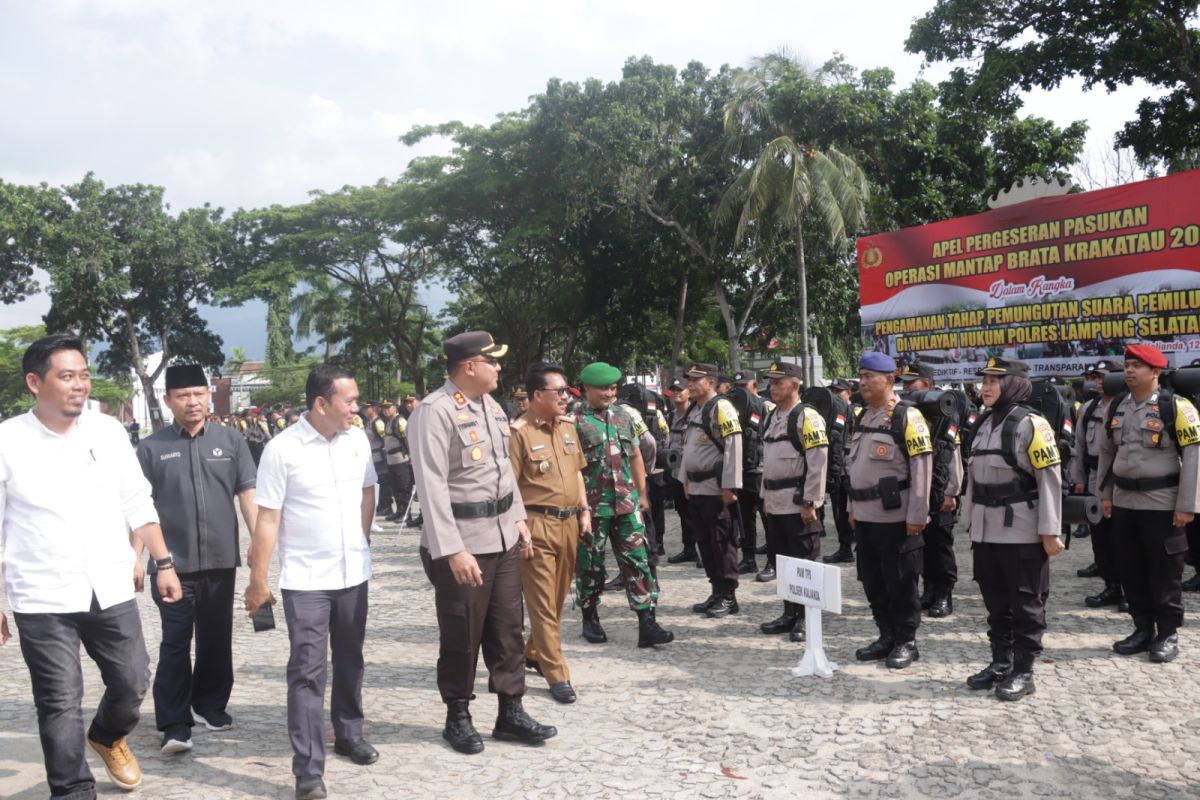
pixel 683 556
pixel 766 574
pixel 903 654
pixel 1020 682
pixel 414 523
pixel 459 730
pixel 1136 642
pixel 878 649
pixel 1082 531
pixel 1192 584
pixel 761 549
pixel 707 603
pixel 799 634
pixel 1164 648
pixel 592 630
pixel 1110 595
pixel 783 623
pixel 942 605
pixel 995 672
pixel 843 555
pixel 1090 571
pixel 514 725
pixel 650 632
pixel 927 597
pixel 616 583
pixel 747 565
pixel 726 604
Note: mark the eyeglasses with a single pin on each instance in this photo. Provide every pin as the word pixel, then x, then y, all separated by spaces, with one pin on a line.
pixel 563 392
pixel 492 362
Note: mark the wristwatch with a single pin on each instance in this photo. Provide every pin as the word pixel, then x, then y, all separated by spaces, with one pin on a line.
pixel 165 563
pixel 808 504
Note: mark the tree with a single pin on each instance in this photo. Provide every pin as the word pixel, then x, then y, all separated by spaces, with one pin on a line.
pixel 322 311
pixel 21 210
pixel 788 182
pixel 1026 43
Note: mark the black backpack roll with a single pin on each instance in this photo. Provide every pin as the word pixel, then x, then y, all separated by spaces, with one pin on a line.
pixel 836 413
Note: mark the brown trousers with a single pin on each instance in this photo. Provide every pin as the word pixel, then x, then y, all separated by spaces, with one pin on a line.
pixel 473 616
pixel 545 581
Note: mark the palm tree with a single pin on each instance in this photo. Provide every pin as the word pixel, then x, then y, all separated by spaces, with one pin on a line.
pixel 322 311
pixel 788 180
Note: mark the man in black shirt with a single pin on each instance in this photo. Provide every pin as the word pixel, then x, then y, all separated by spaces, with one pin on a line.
pixel 195 470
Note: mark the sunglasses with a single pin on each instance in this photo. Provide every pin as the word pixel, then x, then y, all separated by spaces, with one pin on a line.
pixel 563 392
pixel 485 360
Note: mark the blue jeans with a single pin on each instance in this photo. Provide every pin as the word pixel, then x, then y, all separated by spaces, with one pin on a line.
pixel 50 645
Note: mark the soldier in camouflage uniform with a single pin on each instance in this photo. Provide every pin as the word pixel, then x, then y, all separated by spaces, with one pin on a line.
pixel 615 480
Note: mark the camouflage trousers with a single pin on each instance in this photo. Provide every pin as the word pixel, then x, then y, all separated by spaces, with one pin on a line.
pixel 629 545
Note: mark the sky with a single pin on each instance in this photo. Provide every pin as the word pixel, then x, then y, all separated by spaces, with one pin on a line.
pixel 248 104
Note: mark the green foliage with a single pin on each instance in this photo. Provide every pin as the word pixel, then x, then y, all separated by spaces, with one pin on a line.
pixel 14 396
pixel 287 383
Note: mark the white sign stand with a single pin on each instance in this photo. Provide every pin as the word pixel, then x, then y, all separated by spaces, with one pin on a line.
pixel 818 587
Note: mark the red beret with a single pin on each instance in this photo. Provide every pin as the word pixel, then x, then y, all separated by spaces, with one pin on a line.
pixel 1148 354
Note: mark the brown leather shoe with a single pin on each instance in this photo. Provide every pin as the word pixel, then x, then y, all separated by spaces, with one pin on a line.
pixel 119 763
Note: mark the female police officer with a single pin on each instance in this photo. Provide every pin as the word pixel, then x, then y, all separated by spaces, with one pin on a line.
pixel 1014 509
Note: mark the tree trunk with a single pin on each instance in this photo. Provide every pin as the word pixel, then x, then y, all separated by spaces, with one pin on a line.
pixel 680 312
pixel 147 381
pixel 732 333
pixel 802 297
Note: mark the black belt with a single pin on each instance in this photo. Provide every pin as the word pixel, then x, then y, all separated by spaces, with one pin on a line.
pixel 488 508
pixel 1092 462
pixel 782 483
pixel 697 477
pixel 1146 484
pixel 1006 495
pixel 873 493
pixel 551 511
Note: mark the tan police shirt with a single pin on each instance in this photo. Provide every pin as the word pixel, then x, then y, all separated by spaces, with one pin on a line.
pixel 460 454
pixel 1087 437
pixel 547 460
pixel 1142 447
pixel 877 455
pixel 782 461
pixel 701 455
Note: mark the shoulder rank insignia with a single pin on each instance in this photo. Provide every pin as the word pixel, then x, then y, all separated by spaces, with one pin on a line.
pixel 460 399
pixel 517 424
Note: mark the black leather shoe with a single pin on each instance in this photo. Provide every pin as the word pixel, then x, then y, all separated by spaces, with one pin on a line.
pixel 592 630
pixel 1110 595
pixel 767 574
pixel 1090 571
pixel 1081 532
pixel 798 633
pixel 616 583
pixel 460 731
pixel 876 650
pixel 533 665
pixel 514 725
pixel 761 549
pixel 563 692
pixel 1136 642
pixel 1123 607
pixel 942 606
pixel 1164 649
pixel 1016 686
pixel 781 624
pixel 414 523
pixel 903 654
pixel 927 597
pixel 747 566
pixel 311 787
pixel 359 751
pixel 725 605
pixel 1192 584
pixel 994 673
pixel 843 555
pixel 705 605
pixel 650 633
pixel 683 556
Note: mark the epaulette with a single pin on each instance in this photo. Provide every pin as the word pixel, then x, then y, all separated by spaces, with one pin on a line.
pixel 517 424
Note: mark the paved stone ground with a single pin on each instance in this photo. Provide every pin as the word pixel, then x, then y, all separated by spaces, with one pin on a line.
pixel 716 714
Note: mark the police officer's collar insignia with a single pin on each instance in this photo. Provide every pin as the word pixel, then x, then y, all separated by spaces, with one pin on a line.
pixel 459 398
pixel 518 424
pixel 463 417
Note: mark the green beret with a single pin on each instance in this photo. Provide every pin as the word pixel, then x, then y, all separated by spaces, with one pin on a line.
pixel 600 374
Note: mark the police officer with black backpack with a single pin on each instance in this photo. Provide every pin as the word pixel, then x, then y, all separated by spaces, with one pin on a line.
pixel 752 410
pixel 839 478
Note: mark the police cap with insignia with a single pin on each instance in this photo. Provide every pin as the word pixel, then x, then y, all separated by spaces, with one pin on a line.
pixel 1148 354
pixel 744 376
pixel 785 369
pixel 917 371
pixel 700 370
pixel 677 385
pixel 467 345
pixel 519 393
pixel 1103 366
pixel 1004 366
pixel 599 373
pixel 877 362
pixel 185 376
pixel 841 385
pixel 386 403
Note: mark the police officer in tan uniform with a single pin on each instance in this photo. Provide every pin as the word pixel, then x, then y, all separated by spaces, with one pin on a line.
pixel 680 402
pixel 548 462
pixel 890 468
pixel 399 463
pixel 376 429
pixel 1149 462
pixel 712 465
pixel 795 459
pixel 474 530
pixel 1014 510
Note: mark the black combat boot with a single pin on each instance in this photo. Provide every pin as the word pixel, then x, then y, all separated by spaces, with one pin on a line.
pixel 783 623
pixel 995 672
pixel 704 605
pixel 843 555
pixel 942 605
pixel 799 633
pixel 459 730
pixel 592 631
pixel 1110 595
pixel 927 597
pixel 1136 642
pixel 903 654
pixel 726 604
pixel 616 583
pixel 514 725
pixel 650 632
pixel 1192 584
pixel 1090 571
pixel 878 649
pixel 747 565
pixel 1020 682
pixel 683 556
pixel 1164 648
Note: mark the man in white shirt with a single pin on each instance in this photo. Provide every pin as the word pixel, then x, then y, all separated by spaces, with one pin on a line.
pixel 316 497
pixel 70 491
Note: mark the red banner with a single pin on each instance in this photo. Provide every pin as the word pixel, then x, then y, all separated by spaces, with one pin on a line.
pixel 1055 281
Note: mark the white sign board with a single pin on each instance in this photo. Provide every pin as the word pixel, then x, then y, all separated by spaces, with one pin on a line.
pixel 809 583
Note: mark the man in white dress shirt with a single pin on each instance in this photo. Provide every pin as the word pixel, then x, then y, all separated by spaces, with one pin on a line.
pixel 316 497
pixel 70 492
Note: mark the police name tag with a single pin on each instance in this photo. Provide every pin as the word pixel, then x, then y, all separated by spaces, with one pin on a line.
pixel 809 583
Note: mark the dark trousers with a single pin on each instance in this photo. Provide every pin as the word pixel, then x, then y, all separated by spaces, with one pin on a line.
pixel 657 490
pixel 402 485
pixel 747 508
pixel 205 608
pixel 889 565
pixel 474 617
pixel 685 520
pixel 321 622
pixel 1193 540
pixel 383 504
pixel 1150 555
pixel 716 539
pixel 787 535
pixel 841 515
pixel 1103 551
pixel 50 644
pixel 1014 580
pixel 940 568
